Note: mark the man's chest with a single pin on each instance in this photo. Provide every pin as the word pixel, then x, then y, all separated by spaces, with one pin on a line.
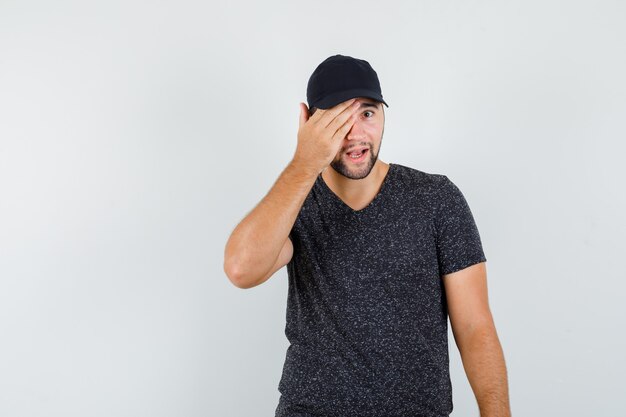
pixel 396 249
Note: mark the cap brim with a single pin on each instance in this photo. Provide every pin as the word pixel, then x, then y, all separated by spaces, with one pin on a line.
pixel 339 97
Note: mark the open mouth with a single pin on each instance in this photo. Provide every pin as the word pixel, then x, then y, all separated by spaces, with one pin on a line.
pixel 357 156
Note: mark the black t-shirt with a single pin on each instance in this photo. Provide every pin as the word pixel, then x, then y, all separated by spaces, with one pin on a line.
pixel 367 319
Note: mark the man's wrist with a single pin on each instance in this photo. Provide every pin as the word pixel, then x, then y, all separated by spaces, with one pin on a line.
pixel 303 168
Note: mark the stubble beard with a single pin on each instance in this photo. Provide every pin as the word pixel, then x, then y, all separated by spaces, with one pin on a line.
pixel 356 172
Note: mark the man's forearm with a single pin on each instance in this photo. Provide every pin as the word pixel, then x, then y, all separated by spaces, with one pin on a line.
pixel 485 367
pixel 257 240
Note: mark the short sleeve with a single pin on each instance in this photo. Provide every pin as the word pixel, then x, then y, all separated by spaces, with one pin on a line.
pixel 457 238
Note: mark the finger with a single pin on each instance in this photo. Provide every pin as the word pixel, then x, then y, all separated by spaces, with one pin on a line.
pixel 349 112
pixel 330 114
pixel 345 128
pixel 316 115
pixel 304 113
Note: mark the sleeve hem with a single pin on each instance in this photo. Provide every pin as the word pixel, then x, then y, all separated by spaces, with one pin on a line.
pixel 463 265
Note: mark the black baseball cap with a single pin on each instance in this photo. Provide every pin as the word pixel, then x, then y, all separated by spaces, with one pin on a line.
pixel 339 78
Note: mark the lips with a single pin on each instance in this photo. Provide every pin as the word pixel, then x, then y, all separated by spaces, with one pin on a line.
pixel 362 151
pixel 357 150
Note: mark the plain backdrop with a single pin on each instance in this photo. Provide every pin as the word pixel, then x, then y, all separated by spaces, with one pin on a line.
pixel 135 135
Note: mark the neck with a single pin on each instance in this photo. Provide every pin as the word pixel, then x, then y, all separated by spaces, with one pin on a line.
pixel 350 189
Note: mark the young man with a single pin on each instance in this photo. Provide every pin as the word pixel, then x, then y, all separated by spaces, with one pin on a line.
pixel 378 256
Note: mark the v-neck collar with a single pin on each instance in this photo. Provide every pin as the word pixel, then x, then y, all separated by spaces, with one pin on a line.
pixel 374 202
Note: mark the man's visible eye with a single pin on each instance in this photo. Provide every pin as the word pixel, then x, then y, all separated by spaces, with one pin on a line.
pixel 371 112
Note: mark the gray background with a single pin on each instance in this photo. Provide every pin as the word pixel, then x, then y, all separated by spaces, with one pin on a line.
pixel 135 135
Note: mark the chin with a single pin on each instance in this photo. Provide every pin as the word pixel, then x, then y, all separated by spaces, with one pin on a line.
pixel 354 172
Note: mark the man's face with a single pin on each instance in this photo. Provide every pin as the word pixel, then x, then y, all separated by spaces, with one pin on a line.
pixel 364 137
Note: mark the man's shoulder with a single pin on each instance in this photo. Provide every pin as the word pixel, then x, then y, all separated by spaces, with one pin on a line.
pixel 414 177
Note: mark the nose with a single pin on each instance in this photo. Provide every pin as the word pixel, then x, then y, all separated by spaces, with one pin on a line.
pixel 356 132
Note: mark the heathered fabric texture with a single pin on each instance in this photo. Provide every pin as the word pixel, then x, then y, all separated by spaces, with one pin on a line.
pixel 366 309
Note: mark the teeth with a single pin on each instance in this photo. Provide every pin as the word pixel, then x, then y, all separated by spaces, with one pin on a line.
pixel 355 155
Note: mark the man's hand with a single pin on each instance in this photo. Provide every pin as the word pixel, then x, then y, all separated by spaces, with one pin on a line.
pixel 320 136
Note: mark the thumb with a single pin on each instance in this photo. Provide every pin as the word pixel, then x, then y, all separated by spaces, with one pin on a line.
pixel 304 113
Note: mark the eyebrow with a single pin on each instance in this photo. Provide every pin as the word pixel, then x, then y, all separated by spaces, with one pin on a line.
pixel 366 104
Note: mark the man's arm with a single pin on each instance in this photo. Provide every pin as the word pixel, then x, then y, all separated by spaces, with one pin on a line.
pixel 260 243
pixel 476 337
